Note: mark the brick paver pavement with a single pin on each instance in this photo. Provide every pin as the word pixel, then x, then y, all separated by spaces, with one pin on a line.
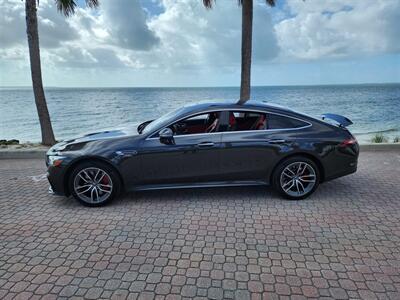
pixel 241 243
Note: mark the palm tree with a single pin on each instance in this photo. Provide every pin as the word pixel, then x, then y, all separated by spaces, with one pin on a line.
pixel 247 31
pixel 67 7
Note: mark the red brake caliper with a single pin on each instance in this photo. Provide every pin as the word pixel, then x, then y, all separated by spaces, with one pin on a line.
pixel 105 180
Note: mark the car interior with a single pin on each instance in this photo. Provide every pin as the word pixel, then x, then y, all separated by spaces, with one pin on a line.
pixel 210 122
pixel 239 121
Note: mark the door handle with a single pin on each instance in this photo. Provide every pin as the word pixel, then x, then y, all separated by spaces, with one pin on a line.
pixel 205 145
pixel 277 141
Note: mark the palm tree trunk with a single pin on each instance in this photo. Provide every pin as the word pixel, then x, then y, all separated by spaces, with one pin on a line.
pixel 247 30
pixel 36 71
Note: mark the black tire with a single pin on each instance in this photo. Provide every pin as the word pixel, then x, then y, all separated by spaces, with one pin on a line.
pixel 277 182
pixel 90 166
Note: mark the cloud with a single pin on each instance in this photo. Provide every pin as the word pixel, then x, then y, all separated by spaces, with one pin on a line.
pixel 182 35
pixel 54 29
pixel 89 39
pixel 194 36
pixel 337 29
pixel 168 41
pixel 127 21
pixel 12 18
pixel 75 57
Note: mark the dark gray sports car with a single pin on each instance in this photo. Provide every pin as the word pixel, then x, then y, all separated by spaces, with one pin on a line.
pixel 206 145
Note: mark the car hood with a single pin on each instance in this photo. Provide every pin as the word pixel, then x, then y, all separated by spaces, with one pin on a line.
pixel 79 142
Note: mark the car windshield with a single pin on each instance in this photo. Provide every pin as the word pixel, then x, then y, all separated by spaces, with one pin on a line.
pixel 163 120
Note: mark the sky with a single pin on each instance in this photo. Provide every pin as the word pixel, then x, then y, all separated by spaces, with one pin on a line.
pixel 150 43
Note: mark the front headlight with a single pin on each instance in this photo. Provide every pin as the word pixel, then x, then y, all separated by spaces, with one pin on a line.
pixel 55 160
pixel 62 147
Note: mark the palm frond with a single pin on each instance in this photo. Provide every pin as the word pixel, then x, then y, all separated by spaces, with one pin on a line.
pixel 92 3
pixel 208 3
pixel 67 7
pixel 271 2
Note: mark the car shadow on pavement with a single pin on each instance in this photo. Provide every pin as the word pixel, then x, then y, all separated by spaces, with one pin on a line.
pixel 337 190
pixel 202 194
pixel 327 191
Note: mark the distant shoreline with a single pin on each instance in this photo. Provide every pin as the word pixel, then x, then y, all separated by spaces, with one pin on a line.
pixel 205 87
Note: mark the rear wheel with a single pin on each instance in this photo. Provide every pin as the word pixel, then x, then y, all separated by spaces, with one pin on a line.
pixel 94 183
pixel 296 178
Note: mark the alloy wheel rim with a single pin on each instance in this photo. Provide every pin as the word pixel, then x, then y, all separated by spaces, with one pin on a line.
pixel 93 185
pixel 298 179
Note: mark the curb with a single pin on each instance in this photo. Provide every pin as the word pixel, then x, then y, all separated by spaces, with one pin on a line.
pixel 380 147
pixel 22 154
pixel 32 154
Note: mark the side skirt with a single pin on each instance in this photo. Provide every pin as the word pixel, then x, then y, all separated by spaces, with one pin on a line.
pixel 197 185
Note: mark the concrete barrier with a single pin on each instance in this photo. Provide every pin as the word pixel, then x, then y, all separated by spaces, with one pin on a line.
pixel 380 147
pixel 22 154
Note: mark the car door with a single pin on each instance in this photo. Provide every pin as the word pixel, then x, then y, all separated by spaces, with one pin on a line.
pixel 250 151
pixel 193 157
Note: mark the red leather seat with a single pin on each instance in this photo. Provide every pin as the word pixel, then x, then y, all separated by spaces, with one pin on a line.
pixel 232 121
pixel 261 123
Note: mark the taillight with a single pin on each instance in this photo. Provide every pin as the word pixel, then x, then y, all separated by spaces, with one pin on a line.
pixel 348 142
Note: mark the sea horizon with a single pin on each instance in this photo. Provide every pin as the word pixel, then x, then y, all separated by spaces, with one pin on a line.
pixel 200 87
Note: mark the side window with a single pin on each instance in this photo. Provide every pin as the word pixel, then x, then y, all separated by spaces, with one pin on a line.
pixel 282 122
pixel 202 123
pixel 246 120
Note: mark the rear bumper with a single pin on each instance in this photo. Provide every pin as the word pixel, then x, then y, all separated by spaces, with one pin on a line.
pixel 350 170
pixel 342 161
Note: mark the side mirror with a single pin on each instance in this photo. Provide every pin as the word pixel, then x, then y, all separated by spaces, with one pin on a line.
pixel 166 136
pixel 143 125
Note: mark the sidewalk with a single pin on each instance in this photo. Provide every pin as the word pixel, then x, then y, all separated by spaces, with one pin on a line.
pixel 242 243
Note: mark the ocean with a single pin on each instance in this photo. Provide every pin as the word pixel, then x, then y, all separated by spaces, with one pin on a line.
pixel 374 108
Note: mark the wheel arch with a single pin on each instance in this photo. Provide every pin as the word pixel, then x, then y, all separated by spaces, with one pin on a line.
pixel 80 160
pixel 314 158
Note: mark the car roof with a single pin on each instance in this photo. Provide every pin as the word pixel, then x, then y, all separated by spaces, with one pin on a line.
pixel 229 104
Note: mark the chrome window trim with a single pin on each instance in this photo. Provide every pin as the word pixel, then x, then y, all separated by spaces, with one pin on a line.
pixel 232 132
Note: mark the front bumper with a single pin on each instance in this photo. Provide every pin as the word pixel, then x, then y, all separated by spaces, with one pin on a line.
pixel 56 180
pixel 57 169
pixel 55 176
pixel 57 166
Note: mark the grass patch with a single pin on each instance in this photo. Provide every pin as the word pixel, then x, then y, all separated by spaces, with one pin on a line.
pixel 9 142
pixel 15 144
pixel 379 138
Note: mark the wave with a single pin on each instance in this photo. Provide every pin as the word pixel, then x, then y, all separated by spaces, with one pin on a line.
pixel 378 131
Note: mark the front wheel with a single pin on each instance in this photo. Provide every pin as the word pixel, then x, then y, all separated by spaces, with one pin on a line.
pixel 296 178
pixel 94 183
